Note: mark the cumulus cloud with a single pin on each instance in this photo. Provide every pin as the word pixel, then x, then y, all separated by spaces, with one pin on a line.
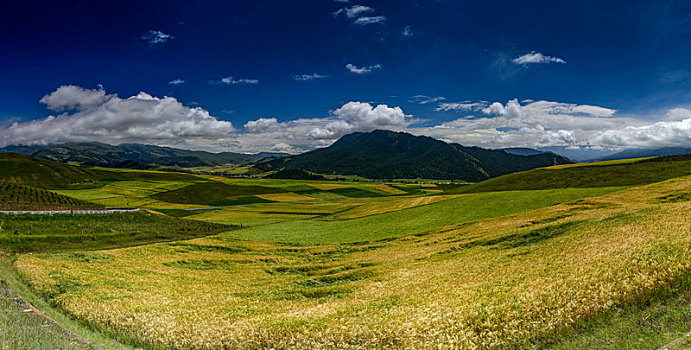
pixel 361 116
pixel 362 70
pixel 528 124
pixel 156 37
pixel 666 133
pixel 94 115
pixel 234 81
pixel 74 97
pixel 369 20
pixel 176 82
pixel 424 99
pixel 262 125
pixel 306 77
pixel 536 58
pixel 354 11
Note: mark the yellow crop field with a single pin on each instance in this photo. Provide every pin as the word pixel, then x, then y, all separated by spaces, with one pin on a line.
pixel 510 281
pixel 380 207
pixel 384 188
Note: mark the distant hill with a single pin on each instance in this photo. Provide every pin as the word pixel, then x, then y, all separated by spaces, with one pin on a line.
pixel 387 154
pixel 522 151
pixel 41 173
pixel 644 153
pixel 134 156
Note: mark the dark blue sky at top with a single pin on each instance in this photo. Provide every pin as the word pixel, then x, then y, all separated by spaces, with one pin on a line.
pixel 633 56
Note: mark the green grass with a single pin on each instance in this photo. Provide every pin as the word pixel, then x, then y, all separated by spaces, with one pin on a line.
pixel 24 233
pixel 22 330
pixel 14 196
pixel 606 174
pixel 415 220
pixel 209 192
pixel 648 324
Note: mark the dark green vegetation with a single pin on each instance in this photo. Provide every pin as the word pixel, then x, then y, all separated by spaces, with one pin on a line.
pixel 296 174
pixel 26 330
pixel 133 156
pixel 52 175
pixel 215 193
pixel 622 173
pixel 24 233
pixel 14 196
pixel 395 155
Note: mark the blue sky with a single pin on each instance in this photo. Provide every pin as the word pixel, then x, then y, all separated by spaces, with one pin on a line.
pixel 294 75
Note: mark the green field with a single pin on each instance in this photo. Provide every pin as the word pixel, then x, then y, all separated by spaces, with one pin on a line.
pixel 579 256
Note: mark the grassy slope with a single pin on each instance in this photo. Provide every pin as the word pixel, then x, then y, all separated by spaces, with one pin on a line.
pixel 14 196
pixel 517 280
pixel 32 233
pixel 20 330
pixel 619 173
pixel 452 211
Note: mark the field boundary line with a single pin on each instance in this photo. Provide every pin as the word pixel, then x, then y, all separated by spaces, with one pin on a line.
pixel 38 313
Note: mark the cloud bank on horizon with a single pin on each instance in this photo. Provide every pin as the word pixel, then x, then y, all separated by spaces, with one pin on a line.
pixel 87 115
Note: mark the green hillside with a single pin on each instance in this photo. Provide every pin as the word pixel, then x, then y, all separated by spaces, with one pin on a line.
pixel 14 196
pixel 46 174
pixel 215 193
pixel 386 154
pixel 604 174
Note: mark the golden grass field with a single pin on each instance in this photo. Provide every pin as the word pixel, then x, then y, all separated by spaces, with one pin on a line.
pixel 504 282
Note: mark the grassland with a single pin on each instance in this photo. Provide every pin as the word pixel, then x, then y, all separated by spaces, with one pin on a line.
pixel 14 196
pixel 631 172
pixel 601 264
pixel 516 280
pixel 32 233
pixel 22 329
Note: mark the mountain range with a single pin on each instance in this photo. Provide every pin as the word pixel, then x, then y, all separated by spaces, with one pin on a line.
pixel 134 156
pixel 383 154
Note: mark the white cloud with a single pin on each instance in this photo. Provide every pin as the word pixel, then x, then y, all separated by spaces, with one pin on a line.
pixel 262 125
pixel 306 77
pixel 69 97
pixel 424 99
pixel 675 114
pixel 234 81
pixel 462 106
pixel 93 115
pixel 668 133
pixel 155 37
pixel 361 116
pixel 176 82
pixel 354 11
pixel 407 31
pixel 532 124
pixel 362 70
pixel 536 57
pixel 369 20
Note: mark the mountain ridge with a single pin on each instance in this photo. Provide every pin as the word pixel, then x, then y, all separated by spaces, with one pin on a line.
pixel 389 154
pixel 133 155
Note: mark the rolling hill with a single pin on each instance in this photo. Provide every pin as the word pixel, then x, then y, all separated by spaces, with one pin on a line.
pixel 387 154
pixel 134 156
pixel 44 174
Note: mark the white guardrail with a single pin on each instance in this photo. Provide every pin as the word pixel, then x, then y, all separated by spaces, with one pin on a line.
pixel 76 211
